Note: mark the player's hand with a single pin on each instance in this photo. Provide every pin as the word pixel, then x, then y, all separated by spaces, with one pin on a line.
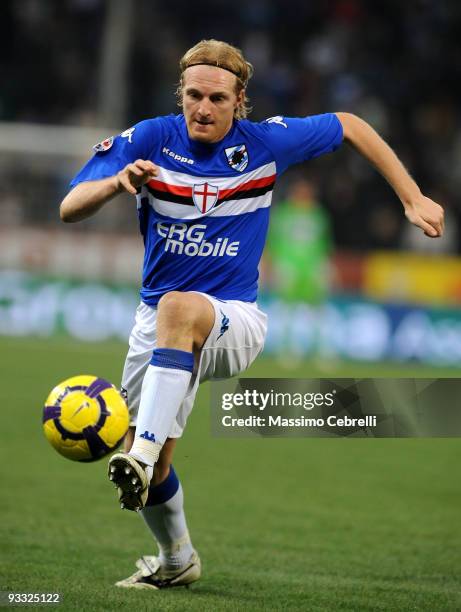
pixel 426 214
pixel 136 174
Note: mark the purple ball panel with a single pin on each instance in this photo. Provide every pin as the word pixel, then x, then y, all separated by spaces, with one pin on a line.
pixel 51 412
pixel 97 387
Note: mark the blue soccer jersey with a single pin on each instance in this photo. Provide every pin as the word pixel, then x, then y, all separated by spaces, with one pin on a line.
pixel 204 218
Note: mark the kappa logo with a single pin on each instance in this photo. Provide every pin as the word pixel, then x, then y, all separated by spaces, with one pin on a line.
pixel 237 157
pixel 176 157
pixel 205 196
pixel 278 119
pixel 128 134
pixel 148 436
pixel 224 325
pixel 104 145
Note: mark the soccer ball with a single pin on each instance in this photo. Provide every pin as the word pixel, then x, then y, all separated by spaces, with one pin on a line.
pixel 85 418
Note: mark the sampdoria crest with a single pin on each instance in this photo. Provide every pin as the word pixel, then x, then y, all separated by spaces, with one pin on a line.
pixel 237 157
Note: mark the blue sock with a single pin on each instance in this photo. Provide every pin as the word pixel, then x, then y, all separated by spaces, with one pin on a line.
pixel 161 493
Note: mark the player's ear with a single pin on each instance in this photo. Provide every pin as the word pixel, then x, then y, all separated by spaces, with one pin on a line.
pixel 240 98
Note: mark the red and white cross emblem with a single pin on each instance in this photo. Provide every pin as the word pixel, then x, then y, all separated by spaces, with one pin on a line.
pixel 205 196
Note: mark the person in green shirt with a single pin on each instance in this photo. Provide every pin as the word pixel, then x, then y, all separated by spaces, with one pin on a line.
pixel 299 246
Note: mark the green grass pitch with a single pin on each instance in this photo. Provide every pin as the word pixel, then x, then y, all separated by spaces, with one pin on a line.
pixel 298 524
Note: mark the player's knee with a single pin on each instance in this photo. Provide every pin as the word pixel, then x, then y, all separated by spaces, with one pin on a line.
pixel 176 307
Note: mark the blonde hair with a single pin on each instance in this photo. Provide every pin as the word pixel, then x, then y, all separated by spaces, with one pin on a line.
pixel 222 55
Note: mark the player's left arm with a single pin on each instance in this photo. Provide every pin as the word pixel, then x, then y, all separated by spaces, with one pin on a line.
pixel 419 209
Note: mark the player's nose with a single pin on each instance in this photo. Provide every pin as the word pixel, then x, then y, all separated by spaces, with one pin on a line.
pixel 204 108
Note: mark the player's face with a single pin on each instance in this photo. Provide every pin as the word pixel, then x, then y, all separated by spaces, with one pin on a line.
pixel 209 101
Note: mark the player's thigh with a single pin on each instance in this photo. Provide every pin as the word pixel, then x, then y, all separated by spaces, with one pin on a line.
pixel 184 318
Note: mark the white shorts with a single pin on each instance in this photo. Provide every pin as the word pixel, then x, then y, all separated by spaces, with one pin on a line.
pixel 235 341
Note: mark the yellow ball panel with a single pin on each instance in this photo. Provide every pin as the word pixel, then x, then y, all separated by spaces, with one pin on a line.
pixel 79 411
pixel 77 450
pixel 117 422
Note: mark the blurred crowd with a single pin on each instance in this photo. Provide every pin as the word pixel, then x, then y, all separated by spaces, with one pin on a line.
pixel 396 64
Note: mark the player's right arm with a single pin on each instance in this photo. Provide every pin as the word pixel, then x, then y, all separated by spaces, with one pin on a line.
pixel 89 196
pixel 120 164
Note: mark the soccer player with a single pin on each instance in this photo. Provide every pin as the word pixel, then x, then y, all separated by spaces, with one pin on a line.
pixel 203 183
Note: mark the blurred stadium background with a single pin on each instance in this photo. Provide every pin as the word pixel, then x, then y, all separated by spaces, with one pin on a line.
pixel 76 71
pixel 351 290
